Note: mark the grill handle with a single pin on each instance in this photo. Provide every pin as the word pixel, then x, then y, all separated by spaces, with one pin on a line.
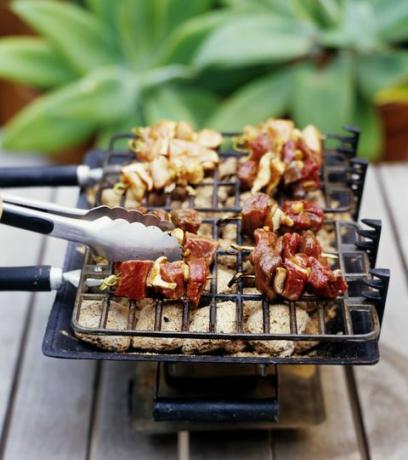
pixel 215 410
pixel 24 176
pixel 34 278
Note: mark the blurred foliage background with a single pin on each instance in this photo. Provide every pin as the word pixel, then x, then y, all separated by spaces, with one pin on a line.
pixel 96 67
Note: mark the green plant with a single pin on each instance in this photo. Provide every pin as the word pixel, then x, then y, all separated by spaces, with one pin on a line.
pixel 117 63
pixel 105 68
pixel 328 59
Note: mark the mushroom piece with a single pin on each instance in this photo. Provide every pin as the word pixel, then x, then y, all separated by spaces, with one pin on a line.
pixel 154 278
pixel 312 138
pixel 161 174
pixel 209 138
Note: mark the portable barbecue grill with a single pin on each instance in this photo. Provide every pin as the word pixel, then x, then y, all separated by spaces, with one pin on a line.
pixel 189 387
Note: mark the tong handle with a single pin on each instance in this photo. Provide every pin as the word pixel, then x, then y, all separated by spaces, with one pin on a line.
pixel 32 278
pixel 213 410
pixel 66 228
pixel 24 176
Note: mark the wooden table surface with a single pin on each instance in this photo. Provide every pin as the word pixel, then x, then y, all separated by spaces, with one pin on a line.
pixel 59 409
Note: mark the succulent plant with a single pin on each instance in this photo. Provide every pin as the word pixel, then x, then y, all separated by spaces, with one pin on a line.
pixel 104 68
pixel 113 64
pixel 328 60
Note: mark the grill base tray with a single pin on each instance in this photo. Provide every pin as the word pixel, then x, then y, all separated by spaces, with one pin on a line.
pixel 300 401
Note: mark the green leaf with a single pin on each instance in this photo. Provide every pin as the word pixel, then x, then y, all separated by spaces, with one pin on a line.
pixel 75 33
pixel 391 18
pixel 324 97
pixel 379 71
pixel 259 99
pixel 371 138
pixel 170 103
pixel 255 39
pixel 40 127
pixel 33 62
pixel 104 96
pixel 356 29
pixel 172 13
pixel 105 10
pixel 183 43
pixel 200 102
pixel 136 23
pixel 159 75
pixel 122 126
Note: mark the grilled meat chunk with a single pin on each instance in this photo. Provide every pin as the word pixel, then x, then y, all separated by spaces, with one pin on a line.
pixel 324 282
pixel 266 259
pixel 173 273
pixel 247 172
pixel 132 280
pixel 297 273
pixel 292 264
pixel 304 214
pixel 187 219
pixel 310 245
pixel 254 212
pixel 198 272
pixel 197 247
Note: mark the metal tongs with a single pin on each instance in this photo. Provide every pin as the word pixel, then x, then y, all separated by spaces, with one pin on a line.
pixel 115 233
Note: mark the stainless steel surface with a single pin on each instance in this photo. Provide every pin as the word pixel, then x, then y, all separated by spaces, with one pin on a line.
pixel 117 212
pixel 87 176
pixel 106 230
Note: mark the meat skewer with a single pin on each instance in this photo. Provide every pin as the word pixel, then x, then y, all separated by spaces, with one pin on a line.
pixel 260 211
pixel 280 154
pixel 290 265
pixel 172 280
pixel 167 154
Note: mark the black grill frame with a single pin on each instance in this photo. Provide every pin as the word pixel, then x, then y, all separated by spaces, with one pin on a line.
pixel 342 173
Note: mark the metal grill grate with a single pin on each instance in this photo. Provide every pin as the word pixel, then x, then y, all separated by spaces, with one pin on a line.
pixel 349 318
pixel 354 317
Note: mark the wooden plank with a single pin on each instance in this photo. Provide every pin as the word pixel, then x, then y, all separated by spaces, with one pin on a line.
pixel 335 438
pixel 383 389
pixel 18 247
pixel 51 414
pixel 113 435
pixel 231 445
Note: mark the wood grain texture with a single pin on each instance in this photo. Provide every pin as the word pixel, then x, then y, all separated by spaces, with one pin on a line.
pixel 18 247
pixel 383 389
pixel 50 418
pixel 231 445
pixel 113 435
pixel 335 438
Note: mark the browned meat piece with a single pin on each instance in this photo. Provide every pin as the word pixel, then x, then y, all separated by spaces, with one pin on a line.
pixel 172 272
pixel 296 276
pixel 247 172
pixel 291 243
pixel 310 245
pixel 198 272
pixel 254 212
pixel 262 144
pixel 132 278
pixel 266 259
pixel 289 264
pixel 324 282
pixel 197 247
pixel 188 220
pixel 304 214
